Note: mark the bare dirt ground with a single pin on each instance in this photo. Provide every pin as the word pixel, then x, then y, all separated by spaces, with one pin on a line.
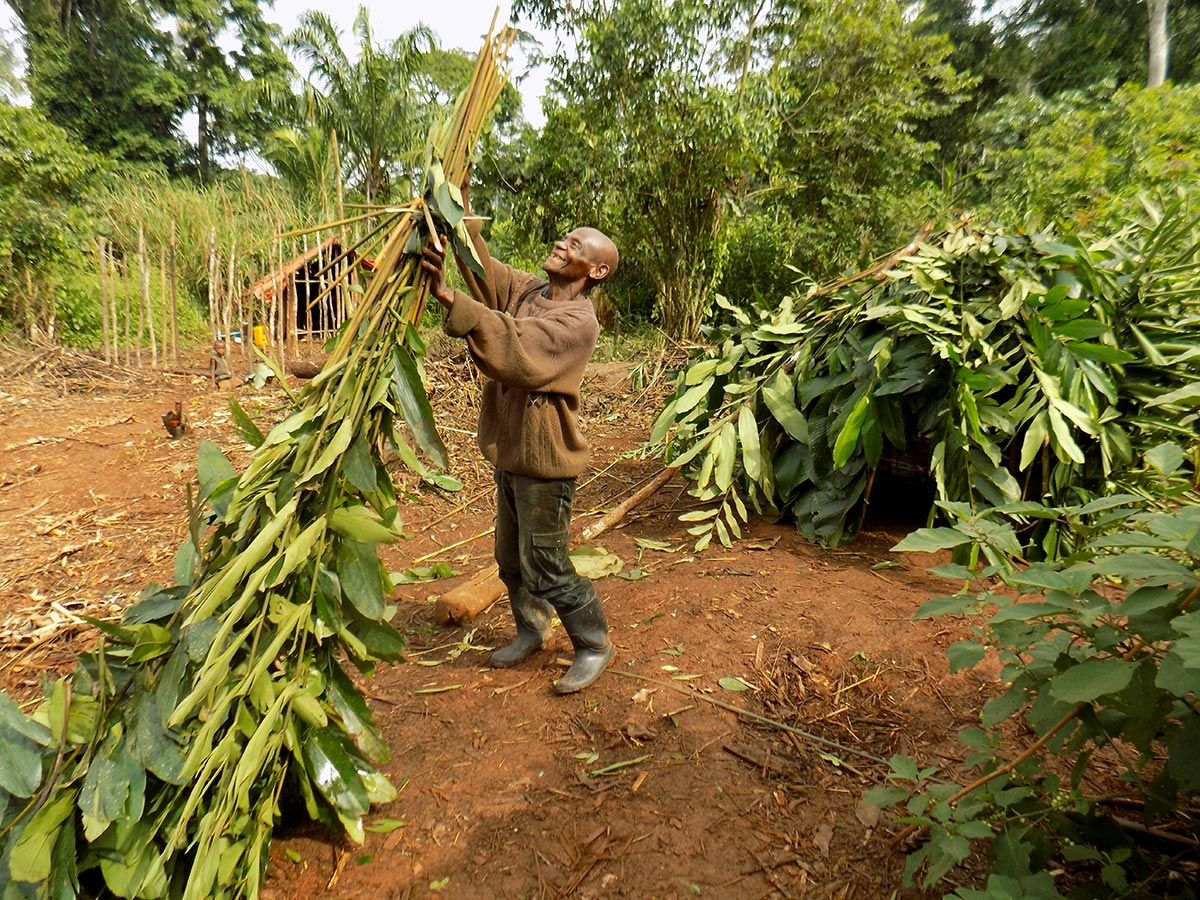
pixel 654 783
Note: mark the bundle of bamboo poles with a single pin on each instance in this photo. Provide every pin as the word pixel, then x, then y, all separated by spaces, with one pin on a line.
pixel 159 765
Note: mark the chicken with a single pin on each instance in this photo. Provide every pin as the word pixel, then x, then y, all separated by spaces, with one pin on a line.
pixel 173 420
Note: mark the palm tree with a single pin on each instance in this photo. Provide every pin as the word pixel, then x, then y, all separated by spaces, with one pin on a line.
pixel 306 162
pixel 370 102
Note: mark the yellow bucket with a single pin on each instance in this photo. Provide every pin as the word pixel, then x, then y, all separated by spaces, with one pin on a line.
pixel 260 336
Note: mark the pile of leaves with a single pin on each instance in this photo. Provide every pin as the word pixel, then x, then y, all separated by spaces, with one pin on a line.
pixel 159 767
pixel 996 365
pixel 1101 658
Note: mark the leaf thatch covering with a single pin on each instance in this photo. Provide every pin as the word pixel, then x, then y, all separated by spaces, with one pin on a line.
pixel 1001 366
pixel 158 767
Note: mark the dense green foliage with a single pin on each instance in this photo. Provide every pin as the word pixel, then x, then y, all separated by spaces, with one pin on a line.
pixel 369 100
pixel 1071 45
pixel 643 139
pixel 1100 649
pixel 47 215
pixel 1003 366
pixel 121 75
pixel 681 127
pixel 224 87
pixel 1083 159
pixel 97 70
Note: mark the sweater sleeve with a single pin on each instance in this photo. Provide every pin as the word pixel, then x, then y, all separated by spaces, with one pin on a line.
pixel 502 284
pixel 533 353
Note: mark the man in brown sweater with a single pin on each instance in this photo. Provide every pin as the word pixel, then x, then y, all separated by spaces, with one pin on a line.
pixel 532 337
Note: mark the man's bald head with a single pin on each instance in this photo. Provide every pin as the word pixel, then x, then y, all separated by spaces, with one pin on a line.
pixel 601 252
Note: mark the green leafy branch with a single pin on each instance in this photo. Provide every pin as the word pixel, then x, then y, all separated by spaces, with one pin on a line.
pixel 1002 366
pixel 161 764
pixel 1099 654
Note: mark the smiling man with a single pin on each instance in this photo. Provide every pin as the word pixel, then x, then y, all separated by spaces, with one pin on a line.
pixel 532 337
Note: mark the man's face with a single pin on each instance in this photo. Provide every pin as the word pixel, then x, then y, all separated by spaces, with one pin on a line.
pixel 570 258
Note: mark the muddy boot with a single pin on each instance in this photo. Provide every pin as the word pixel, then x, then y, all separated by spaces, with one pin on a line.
pixel 533 627
pixel 588 631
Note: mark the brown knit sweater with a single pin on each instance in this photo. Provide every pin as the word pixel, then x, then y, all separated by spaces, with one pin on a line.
pixel 533 352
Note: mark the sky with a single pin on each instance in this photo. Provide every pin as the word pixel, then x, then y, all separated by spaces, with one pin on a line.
pixel 458 24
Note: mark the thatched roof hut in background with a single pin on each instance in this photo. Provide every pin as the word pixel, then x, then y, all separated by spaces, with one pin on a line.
pixel 304 298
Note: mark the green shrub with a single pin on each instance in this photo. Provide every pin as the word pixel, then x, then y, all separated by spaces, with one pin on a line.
pixel 1002 365
pixel 1100 651
pixel 1082 158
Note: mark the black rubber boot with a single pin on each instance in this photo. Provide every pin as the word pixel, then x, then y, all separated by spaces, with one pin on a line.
pixel 533 628
pixel 588 630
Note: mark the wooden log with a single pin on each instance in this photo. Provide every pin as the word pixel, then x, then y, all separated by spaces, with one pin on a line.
pixel 469 599
pixel 462 603
pixel 303 368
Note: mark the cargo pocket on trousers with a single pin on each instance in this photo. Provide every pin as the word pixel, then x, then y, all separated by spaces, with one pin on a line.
pixel 549 559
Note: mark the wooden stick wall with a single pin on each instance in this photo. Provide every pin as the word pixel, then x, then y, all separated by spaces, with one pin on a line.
pixel 294 309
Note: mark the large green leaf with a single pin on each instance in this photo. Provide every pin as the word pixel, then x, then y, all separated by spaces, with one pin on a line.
pixel 751 450
pixel 358 523
pixel 245 426
pixel 1092 679
pixel 779 396
pixel 356 716
pixel 213 470
pixel 359 573
pixel 930 540
pixel 359 466
pixel 16 722
pixel 332 451
pixel 847 438
pixel 151 743
pixel 725 449
pixel 31 856
pixel 20 761
pixel 379 638
pixel 105 793
pixel 335 775
pixel 413 405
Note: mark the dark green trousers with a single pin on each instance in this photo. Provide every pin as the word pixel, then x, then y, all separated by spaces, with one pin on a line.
pixel 532 518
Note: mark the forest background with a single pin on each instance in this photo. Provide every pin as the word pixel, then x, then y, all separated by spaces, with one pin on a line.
pixel 730 148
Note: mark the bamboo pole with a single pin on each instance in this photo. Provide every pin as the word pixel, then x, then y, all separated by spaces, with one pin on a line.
pixel 148 315
pixel 326 310
pixel 289 280
pixel 162 299
pixel 279 283
pixel 141 316
pixel 128 313
pixel 245 325
pixel 276 289
pixel 174 304
pixel 227 302
pixel 102 264
pixel 293 316
pixel 114 301
pixel 213 327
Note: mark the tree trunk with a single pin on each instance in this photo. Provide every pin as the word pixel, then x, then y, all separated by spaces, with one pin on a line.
pixel 1159 42
pixel 202 136
pixel 683 298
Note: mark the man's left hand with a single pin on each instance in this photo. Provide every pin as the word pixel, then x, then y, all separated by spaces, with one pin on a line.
pixel 433 261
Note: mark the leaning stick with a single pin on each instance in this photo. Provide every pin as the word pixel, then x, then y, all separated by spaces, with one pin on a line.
pixel 621 510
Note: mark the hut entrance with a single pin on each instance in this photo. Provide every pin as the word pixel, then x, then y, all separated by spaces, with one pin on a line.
pixel 300 300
